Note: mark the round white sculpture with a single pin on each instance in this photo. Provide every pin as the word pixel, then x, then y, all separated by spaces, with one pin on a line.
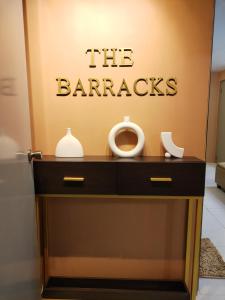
pixel 126 124
pixel 171 148
pixel 69 146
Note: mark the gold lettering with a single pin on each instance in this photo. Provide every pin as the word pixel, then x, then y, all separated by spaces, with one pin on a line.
pixel 63 89
pixel 125 88
pixel 125 56
pixel 105 80
pixel 106 57
pixel 155 87
pixel 135 87
pixel 172 86
pixel 79 87
pixel 92 87
pixel 92 51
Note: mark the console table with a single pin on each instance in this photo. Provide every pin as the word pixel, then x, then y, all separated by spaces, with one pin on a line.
pixel 121 229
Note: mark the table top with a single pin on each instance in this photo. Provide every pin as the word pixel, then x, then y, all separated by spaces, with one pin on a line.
pixel 140 159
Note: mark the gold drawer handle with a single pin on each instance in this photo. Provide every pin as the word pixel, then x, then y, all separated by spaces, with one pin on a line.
pixel 74 179
pixel 161 179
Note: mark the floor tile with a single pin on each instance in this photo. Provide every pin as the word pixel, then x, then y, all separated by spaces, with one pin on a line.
pixel 220 209
pixel 219 213
pixel 210 175
pixel 221 250
pixel 212 287
pixel 214 198
pixel 209 297
pixel 210 222
pixel 216 236
pixel 204 234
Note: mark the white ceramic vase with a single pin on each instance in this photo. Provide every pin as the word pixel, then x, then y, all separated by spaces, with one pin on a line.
pixel 69 146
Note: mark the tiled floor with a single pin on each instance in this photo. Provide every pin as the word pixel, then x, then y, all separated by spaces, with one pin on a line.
pixel 214 228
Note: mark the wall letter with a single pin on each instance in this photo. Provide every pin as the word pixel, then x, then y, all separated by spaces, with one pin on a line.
pixel 63 90
pixel 135 87
pixel 93 65
pixel 125 57
pixel 113 57
pixel 105 80
pixel 154 87
pixel 79 87
pixel 92 80
pixel 173 87
pixel 124 87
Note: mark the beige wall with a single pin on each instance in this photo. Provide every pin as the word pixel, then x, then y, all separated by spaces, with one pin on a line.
pixel 212 117
pixel 169 38
pixel 216 78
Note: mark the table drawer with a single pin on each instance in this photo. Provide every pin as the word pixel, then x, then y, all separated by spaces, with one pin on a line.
pixel 161 179
pixel 74 178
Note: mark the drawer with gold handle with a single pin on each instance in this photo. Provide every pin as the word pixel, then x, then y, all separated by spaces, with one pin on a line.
pixel 74 177
pixel 162 178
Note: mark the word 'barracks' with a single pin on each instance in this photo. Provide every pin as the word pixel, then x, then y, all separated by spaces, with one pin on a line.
pixel 105 87
pixel 121 58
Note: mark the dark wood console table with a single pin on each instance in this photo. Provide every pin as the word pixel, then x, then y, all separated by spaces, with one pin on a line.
pixel 120 228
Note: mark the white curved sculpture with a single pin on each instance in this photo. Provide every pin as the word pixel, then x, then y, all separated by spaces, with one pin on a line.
pixel 69 146
pixel 126 124
pixel 171 148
